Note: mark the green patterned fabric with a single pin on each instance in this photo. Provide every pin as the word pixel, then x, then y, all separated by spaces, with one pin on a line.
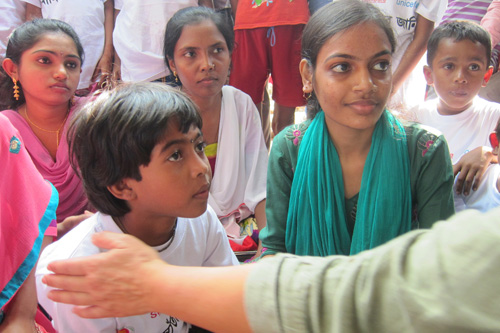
pixel 316 223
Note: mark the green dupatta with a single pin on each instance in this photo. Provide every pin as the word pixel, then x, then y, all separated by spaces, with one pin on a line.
pixel 316 223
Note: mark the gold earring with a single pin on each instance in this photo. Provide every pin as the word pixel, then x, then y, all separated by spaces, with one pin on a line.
pixel 16 89
pixel 306 95
pixel 176 77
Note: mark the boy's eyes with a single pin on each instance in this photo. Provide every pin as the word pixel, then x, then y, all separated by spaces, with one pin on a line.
pixel 200 147
pixel 448 66
pixel 474 67
pixel 175 156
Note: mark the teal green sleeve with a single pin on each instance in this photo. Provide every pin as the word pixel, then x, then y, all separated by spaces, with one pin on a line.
pixel 431 175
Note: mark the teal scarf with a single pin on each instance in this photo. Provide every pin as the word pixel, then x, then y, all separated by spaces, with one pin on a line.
pixel 316 223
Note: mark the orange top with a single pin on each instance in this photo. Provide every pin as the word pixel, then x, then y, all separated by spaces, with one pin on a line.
pixel 251 14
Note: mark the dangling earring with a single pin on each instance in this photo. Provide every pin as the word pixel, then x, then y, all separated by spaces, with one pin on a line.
pixel 306 95
pixel 176 77
pixel 16 89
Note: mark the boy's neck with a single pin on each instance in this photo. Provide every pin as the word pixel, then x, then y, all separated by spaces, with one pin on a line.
pixel 446 110
pixel 152 231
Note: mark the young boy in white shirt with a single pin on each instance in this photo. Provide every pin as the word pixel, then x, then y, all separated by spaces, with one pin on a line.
pixel 458 56
pixel 140 153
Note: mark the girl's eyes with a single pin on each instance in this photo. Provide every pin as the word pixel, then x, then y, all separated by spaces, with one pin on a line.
pixel 72 65
pixel 189 54
pixel 341 68
pixel 44 60
pixel 218 49
pixel 382 66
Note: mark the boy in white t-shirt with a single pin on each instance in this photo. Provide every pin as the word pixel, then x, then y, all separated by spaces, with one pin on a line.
pixel 458 56
pixel 140 154
pixel 487 196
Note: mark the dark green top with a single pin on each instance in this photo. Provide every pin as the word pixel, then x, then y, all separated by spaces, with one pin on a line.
pixel 431 181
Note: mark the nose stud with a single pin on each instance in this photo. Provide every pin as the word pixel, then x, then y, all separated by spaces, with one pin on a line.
pixel 211 67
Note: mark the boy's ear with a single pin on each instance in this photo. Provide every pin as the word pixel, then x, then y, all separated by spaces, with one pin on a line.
pixel 10 68
pixel 428 75
pixel 487 76
pixel 122 190
pixel 306 72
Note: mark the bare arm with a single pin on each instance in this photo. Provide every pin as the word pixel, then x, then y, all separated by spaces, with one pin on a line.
pixel 234 6
pixel 491 22
pixel 206 3
pixel 21 311
pixel 132 279
pixel 32 12
pixel 414 52
pixel 117 64
pixel 105 64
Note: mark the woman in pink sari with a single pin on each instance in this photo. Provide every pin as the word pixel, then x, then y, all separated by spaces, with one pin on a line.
pixel 27 214
pixel 42 64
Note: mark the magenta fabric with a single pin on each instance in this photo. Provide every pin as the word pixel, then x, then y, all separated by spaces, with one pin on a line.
pixel 27 207
pixel 72 198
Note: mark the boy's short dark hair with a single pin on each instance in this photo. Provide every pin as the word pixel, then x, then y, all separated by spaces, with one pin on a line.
pixel 458 30
pixel 115 134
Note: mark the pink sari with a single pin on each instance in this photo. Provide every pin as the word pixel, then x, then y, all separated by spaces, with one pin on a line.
pixel 27 208
pixel 73 200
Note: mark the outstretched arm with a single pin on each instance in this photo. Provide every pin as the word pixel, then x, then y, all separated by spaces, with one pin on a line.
pixel 425 281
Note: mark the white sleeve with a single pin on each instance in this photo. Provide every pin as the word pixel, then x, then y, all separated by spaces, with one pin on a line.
pixel 219 252
pixel 433 10
pixel 36 3
pixel 119 4
pixel 63 319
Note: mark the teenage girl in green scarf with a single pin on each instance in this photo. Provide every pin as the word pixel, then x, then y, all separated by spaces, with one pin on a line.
pixel 352 176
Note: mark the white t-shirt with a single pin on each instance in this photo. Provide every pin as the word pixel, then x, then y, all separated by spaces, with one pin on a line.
pixel 485 197
pixel 403 18
pixel 13 14
pixel 138 36
pixel 87 18
pixel 199 241
pixel 464 131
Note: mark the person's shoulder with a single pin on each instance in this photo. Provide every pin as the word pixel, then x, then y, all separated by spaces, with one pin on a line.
pixel 77 242
pixel 234 92
pixel 482 105
pixel 293 134
pixel 414 129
